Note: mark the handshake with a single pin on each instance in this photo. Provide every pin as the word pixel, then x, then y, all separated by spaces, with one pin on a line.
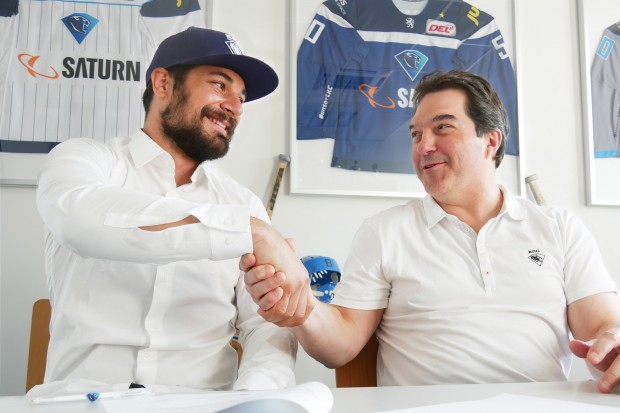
pixel 276 278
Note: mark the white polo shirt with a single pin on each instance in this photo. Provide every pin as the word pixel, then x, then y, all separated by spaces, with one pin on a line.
pixel 462 307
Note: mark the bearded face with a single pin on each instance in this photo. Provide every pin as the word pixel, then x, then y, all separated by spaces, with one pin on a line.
pixel 190 129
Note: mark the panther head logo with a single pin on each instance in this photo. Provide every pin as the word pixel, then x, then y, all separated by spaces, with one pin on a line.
pixel 412 60
pixel 79 23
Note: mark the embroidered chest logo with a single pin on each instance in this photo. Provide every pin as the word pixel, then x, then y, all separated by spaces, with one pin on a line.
pixel 536 257
pixel 412 62
pixel 409 22
pixel 80 25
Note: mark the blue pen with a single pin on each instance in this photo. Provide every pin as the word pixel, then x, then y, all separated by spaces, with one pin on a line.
pixel 93 396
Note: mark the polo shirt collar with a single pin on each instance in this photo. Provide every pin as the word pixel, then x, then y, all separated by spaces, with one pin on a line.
pixel 511 206
pixel 434 213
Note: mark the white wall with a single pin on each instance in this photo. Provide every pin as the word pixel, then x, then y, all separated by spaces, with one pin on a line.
pixel 552 148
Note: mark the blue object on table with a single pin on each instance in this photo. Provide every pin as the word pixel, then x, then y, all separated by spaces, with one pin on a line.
pixel 324 275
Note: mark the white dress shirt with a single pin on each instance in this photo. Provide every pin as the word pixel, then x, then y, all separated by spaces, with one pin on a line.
pixel 462 307
pixel 155 308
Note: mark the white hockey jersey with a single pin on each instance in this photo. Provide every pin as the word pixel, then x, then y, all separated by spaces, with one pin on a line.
pixel 606 95
pixel 75 68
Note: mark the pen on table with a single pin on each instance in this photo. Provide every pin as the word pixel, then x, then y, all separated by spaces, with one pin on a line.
pixel 92 396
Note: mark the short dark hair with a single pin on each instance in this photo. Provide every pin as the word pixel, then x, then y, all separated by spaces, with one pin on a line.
pixel 483 105
pixel 178 73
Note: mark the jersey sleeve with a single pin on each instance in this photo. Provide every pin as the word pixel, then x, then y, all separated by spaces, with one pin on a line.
pixel 329 44
pixel 485 54
pixel 607 58
pixel 9 8
pixel 160 19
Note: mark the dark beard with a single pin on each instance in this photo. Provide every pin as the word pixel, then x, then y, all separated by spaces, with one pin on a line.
pixel 189 135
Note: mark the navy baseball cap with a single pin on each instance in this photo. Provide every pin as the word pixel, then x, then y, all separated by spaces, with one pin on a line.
pixel 198 46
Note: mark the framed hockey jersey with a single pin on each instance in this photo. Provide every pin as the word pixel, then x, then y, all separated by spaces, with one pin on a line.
pixel 75 68
pixel 599 26
pixel 357 63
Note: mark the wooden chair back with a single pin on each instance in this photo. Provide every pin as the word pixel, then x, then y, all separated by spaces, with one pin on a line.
pixel 362 370
pixel 39 339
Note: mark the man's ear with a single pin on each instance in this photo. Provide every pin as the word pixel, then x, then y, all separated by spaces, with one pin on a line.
pixel 162 82
pixel 494 140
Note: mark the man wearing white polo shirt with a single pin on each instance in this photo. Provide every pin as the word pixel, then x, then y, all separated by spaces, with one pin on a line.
pixel 468 285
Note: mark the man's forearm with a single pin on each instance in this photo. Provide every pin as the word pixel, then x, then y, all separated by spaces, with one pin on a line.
pixel 329 337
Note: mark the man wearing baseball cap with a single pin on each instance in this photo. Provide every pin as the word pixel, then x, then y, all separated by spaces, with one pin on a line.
pixel 144 234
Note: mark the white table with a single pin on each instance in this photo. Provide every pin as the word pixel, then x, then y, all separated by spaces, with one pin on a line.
pixel 374 399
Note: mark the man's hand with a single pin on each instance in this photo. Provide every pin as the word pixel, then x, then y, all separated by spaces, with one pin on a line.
pixel 286 301
pixel 602 353
pixel 262 282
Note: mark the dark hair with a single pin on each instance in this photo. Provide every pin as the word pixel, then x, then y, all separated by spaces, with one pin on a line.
pixel 178 73
pixel 483 105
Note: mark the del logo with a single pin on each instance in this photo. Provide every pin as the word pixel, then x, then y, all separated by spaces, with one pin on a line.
pixel 412 62
pixel 80 25
pixel 441 28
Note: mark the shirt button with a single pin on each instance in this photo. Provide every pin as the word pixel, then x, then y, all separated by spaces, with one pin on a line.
pixel 146 356
pixel 228 221
pixel 229 241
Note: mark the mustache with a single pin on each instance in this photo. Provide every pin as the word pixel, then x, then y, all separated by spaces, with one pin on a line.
pixel 220 115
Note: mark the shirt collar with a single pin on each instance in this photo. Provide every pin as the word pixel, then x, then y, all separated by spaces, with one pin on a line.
pixel 143 149
pixel 434 213
pixel 201 172
pixel 512 207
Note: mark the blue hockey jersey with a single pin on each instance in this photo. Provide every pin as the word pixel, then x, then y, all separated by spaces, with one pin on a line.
pixel 360 61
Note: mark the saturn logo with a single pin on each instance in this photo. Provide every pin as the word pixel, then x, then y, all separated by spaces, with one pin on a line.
pixel 369 92
pixel 29 61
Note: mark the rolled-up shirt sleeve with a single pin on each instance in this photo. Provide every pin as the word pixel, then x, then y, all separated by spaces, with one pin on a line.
pixel 95 217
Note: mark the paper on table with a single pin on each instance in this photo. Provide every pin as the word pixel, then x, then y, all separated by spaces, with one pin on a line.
pixel 311 397
pixel 511 403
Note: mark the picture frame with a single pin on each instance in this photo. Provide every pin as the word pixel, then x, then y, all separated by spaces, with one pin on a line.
pixel 310 168
pixel 20 168
pixel 595 16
